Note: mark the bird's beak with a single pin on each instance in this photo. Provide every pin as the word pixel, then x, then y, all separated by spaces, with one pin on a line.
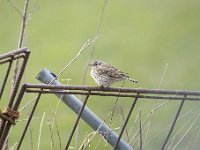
pixel 89 64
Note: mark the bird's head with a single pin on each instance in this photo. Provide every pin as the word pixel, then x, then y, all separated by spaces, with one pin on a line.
pixel 96 63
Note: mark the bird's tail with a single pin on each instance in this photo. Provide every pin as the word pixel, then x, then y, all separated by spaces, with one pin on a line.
pixel 132 80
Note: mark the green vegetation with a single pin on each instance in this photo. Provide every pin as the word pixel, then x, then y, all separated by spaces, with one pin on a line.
pixel 138 37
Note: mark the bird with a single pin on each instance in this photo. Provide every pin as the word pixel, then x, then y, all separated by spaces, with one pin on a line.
pixel 105 75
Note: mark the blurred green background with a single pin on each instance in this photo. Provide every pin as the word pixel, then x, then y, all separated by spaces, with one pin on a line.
pixel 138 37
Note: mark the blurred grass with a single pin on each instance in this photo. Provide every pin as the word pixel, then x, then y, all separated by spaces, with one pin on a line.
pixel 139 37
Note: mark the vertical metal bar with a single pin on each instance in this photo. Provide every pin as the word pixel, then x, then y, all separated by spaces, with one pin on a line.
pixel 77 121
pixel 173 124
pixel 18 80
pixel 2 125
pixel 126 121
pixel 28 122
pixel 6 77
pixel 5 129
pixel 126 129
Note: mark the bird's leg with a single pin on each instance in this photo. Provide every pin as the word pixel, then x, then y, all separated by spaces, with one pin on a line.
pixel 102 87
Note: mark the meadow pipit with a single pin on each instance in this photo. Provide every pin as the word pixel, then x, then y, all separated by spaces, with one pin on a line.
pixel 105 74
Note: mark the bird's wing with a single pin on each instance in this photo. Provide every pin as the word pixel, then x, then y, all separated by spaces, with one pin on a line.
pixel 111 71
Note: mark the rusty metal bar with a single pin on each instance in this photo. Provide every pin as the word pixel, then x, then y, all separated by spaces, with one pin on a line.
pixel 28 121
pixel 115 89
pixel 173 124
pixel 153 97
pixel 2 125
pixel 18 79
pixel 14 52
pixel 5 126
pixel 126 121
pixel 77 121
pixel 6 78
pixel 10 59
pixel 5 129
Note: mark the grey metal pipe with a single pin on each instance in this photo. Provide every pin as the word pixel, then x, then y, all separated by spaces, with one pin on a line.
pixel 88 116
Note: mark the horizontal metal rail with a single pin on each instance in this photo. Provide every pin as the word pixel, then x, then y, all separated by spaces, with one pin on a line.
pixel 173 97
pixel 115 89
pixel 14 52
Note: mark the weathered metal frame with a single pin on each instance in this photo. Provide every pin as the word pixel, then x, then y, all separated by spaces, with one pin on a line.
pixel 22 53
pixel 136 93
pixel 181 95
